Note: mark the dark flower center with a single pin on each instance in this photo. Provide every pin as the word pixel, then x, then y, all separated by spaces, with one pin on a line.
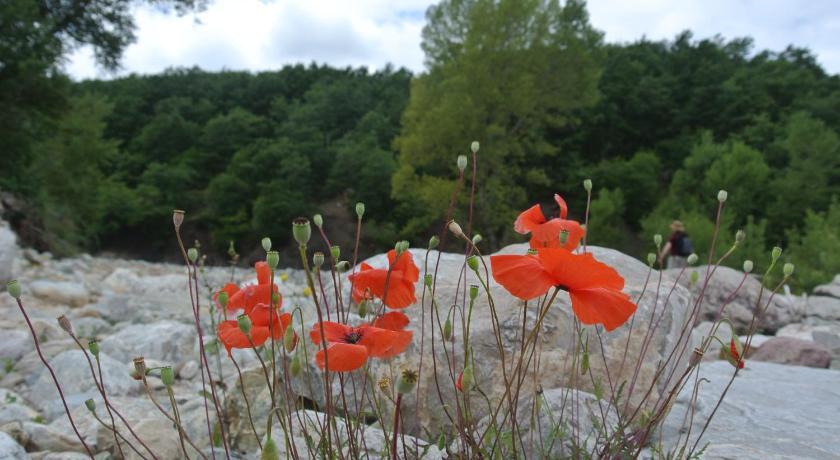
pixel 353 337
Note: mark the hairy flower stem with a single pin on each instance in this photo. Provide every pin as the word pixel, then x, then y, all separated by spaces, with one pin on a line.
pixel 166 414
pixel 117 434
pixel 107 405
pixel 247 404
pixel 396 426
pixel 177 420
pixel 52 373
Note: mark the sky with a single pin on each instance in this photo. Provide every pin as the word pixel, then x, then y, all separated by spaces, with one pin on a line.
pixel 267 34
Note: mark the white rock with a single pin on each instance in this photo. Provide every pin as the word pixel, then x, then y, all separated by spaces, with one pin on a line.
pixel 831 289
pixel 60 292
pixel 15 344
pixel 823 307
pixel 10 449
pixel 9 253
pixel 164 341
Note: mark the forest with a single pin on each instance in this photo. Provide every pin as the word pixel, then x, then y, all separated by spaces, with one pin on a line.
pixel 658 126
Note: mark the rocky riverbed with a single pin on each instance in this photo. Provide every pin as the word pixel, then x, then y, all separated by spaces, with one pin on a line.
pixel 784 404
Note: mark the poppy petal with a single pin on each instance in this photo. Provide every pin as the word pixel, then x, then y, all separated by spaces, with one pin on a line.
pixel 263 272
pixel 231 290
pixel 399 343
pixel 231 336
pixel 564 210
pixel 523 276
pixel 547 235
pixel 394 321
pixel 578 271
pixel 405 263
pixel 609 307
pixel 400 289
pixel 377 341
pixel 333 332
pixel 529 219
pixel 342 357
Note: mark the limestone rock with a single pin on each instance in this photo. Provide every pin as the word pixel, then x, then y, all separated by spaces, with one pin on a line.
pixel 823 307
pixel 10 449
pixel 60 292
pixel 15 344
pixel 9 253
pixel 831 289
pixel 788 350
pixel 166 341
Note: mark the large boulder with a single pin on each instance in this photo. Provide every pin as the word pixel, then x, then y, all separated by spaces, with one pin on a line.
pixel 782 309
pixel 166 341
pixel 556 345
pixel 823 307
pixel 771 411
pixel 831 289
pixel 9 253
pixel 10 449
pixel 789 350
pixel 60 292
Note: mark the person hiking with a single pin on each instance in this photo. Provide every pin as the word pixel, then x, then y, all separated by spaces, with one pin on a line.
pixel 678 247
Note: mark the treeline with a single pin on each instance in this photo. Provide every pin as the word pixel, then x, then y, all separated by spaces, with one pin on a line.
pixel 659 127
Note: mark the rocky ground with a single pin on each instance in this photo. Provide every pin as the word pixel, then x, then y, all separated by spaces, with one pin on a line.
pixel 784 404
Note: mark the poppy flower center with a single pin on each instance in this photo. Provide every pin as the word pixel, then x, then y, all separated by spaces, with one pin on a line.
pixel 352 337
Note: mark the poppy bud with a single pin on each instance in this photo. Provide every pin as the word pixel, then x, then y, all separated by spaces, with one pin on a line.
pixel 167 376
pixel 93 346
pixel 91 405
pixel 177 218
pixel 775 253
pixel 318 220
pixel 740 235
pixel 65 324
pixel 474 146
pixel 231 250
pixel 564 236
pixel 360 209
pixel 787 269
pixel 748 266
pixel 477 239
pixel 400 247
pixel 696 357
pixel 318 259
pixel 441 444
pixel 14 288
pixel 462 162
pixel 269 450
pixel 407 381
pixel 692 259
pixel 657 240
pixel 335 252
pixel 587 185
pixel 342 266
pixel 192 254
pixel 651 258
pixel 301 230
pixel 434 241
pixel 266 244
pixel 695 276
pixel 223 298
pixel 472 262
pixel 467 378
pixel 140 366
pixel 427 279
pixel 272 258
pixel 290 339
pixel 447 328
pixel 473 291
pixel 363 309
pixel 244 324
pixel 455 228
pixel 722 195
pixel 295 365
pixel 736 350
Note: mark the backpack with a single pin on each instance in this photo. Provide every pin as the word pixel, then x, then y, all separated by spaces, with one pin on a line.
pixel 686 249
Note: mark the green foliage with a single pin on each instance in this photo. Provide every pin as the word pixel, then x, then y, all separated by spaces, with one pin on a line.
pixel 814 249
pixel 606 226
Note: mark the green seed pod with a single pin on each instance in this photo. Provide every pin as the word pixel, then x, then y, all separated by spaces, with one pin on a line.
pixel 223 298
pixel 447 328
pixel 695 276
pixel 318 259
pixel 472 262
pixel 342 266
pixel 295 366
pixel 651 259
pixel 477 239
pixel 407 381
pixel 776 253
pixel 335 252
pixel 14 288
pixel 587 185
pixel 722 195
pixel 363 307
pixel 301 230
pixel 564 236
pixel 455 228
pixel 290 339
pixel 400 247
pixel 740 235
pixel 462 162
pixel 441 444
pixel 657 240
pixel 467 378
pixel 360 209
pixel 318 220
pixel 244 324
pixel 91 405
pixel 427 280
pixel 748 266
pixel 192 254
pixel 434 241
pixel 692 259
pixel 272 258
pixel 473 291
pixel 167 376
pixel 474 146
pixel 787 269
pixel 266 244
pixel 93 346
pixel 231 250
pixel 269 450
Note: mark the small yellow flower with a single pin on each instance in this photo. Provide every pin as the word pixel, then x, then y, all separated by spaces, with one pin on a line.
pixel 307 292
pixel 284 277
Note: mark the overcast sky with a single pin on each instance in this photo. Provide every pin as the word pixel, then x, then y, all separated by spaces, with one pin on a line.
pixel 263 35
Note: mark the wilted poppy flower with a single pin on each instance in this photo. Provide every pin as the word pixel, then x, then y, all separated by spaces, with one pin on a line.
pixel 735 351
pixel 348 348
pixel 546 233
pixel 594 288
pixel 232 336
pixel 369 281
pixel 249 296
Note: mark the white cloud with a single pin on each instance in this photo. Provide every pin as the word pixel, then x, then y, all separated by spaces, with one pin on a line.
pixel 262 35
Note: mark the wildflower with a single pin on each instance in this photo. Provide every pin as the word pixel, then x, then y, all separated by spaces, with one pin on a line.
pixel 735 352
pixel 250 296
pixel 594 287
pixel 348 347
pixel 233 336
pixel 395 321
pixel 546 233
pixel 369 281
pixel 407 381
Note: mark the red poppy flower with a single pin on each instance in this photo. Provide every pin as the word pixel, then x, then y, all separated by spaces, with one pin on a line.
pixel 249 296
pixel 349 347
pixel 369 281
pixel 546 233
pixel 232 337
pixel 594 288
pixel 395 321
